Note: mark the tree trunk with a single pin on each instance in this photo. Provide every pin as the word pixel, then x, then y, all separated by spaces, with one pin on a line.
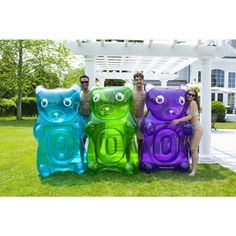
pixel 19 81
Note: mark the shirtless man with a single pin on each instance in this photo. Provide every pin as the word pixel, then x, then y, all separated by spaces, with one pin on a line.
pixel 138 104
pixel 84 108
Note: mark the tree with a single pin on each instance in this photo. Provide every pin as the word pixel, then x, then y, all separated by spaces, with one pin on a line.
pixel 21 60
pixel 73 78
pixel 7 74
pixel 49 80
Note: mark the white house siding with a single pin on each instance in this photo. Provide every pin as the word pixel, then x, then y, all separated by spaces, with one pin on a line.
pixel 227 65
pixel 184 74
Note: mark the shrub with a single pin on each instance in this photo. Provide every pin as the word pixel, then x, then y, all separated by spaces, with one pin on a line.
pixel 7 107
pixel 114 82
pixel 29 107
pixel 219 109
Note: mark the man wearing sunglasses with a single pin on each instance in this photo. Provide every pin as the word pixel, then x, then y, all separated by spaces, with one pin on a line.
pixel 84 108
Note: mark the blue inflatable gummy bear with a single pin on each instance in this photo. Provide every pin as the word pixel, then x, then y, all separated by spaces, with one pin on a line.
pixel 59 131
pixel 111 130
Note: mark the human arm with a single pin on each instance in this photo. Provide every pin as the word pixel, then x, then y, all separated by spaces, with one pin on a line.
pixel 192 109
pixel 89 128
pixel 148 128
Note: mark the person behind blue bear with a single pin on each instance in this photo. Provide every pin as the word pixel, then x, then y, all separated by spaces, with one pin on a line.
pixel 84 108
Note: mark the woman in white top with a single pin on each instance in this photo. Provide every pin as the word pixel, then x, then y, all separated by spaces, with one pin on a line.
pixel 193 117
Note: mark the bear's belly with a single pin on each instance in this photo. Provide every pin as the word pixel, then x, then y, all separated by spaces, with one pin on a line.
pixel 110 145
pixel 61 145
pixel 165 145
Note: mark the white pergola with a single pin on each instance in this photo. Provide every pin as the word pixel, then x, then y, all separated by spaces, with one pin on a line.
pixel 158 60
pixel 223 90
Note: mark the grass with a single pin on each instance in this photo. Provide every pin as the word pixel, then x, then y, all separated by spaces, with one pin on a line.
pixel 225 125
pixel 19 176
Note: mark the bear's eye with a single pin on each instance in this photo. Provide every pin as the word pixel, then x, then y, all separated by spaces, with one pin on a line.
pixel 67 102
pixel 96 97
pixel 119 97
pixel 44 102
pixel 160 99
pixel 181 100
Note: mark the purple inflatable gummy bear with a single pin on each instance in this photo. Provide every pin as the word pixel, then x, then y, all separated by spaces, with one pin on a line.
pixel 165 145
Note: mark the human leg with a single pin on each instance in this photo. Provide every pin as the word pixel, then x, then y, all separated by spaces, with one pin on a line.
pixel 194 143
pixel 140 144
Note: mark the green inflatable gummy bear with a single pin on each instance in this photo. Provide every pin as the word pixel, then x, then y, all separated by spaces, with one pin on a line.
pixel 111 130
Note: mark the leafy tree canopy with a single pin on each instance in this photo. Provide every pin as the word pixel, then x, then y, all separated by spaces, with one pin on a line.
pixel 24 64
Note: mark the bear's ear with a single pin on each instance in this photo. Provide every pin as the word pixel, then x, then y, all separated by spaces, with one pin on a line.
pixel 39 89
pixel 76 87
pixel 183 86
pixel 130 86
pixel 148 87
pixel 94 87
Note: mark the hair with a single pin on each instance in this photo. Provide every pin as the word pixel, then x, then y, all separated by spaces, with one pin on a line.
pixel 138 74
pixel 83 76
pixel 196 98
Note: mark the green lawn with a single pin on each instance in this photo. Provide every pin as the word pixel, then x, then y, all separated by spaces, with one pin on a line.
pixel 225 125
pixel 19 176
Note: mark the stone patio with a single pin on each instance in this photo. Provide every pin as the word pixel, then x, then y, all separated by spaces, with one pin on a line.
pixel 223 147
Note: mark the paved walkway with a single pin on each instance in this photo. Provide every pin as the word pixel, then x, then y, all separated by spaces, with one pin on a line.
pixel 223 147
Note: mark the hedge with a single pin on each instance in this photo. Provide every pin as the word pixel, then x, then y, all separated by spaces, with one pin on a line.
pixel 218 108
pixel 114 82
pixel 8 107
pixel 29 107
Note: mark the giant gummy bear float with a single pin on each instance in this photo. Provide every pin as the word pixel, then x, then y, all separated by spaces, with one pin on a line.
pixel 165 145
pixel 111 130
pixel 59 131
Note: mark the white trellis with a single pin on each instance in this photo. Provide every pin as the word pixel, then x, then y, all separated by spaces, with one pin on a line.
pixel 158 60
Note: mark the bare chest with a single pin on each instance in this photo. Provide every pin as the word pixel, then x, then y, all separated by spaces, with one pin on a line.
pixel 138 97
pixel 84 98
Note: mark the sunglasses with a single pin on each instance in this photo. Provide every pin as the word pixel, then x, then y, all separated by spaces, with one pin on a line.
pixel 84 82
pixel 190 94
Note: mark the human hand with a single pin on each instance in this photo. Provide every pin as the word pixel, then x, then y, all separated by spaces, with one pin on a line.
pixel 129 129
pixel 89 128
pixel 175 122
pixel 148 129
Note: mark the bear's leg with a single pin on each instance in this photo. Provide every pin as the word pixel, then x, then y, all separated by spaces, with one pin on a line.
pixel 44 170
pixel 147 167
pixel 128 169
pixel 184 167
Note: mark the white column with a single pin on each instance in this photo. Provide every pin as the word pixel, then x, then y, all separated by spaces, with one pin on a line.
pixel 101 82
pixel 234 103
pixel 205 155
pixel 164 83
pixel 225 99
pixel 226 85
pixel 90 69
pixel 226 81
